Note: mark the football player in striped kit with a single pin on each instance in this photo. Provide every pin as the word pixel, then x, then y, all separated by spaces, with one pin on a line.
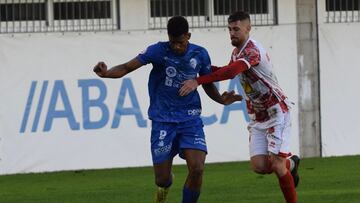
pixel 268 106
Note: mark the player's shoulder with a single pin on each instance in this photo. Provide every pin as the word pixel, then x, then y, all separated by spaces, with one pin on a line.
pixel 156 48
pixel 197 48
pixel 159 45
pixel 253 44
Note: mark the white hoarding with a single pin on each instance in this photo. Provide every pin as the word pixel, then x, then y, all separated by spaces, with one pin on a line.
pixel 56 114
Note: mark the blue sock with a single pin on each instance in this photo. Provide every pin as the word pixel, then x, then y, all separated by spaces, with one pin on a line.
pixel 190 196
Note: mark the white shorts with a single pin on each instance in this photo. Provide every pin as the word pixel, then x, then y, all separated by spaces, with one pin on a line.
pixel 272 135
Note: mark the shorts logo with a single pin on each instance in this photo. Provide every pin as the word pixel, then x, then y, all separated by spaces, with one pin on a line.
pixel 272 136
pixel 272 144
pixel 163 133
pixel 200 141
pixel 161 143
pixel 162 136
pixel 162 150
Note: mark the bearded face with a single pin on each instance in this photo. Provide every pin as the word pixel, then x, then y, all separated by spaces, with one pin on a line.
pixel 239 32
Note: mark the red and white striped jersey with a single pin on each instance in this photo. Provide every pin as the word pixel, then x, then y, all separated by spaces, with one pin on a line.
pixel 259 82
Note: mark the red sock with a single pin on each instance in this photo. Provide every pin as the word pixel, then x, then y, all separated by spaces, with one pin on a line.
pixel 288 188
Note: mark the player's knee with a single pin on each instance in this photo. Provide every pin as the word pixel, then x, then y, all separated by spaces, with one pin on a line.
pixel 261 170
pixel 163 181
pixel 196 172
pixel 261 167
pixel 275 167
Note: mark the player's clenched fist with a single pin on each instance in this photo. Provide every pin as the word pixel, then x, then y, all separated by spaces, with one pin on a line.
pixel 100 69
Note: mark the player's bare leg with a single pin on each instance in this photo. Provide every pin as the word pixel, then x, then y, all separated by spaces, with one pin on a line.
pixel 163 179
pixel 195 160
pixel 265 164
pixel 261 164
pixel 286 181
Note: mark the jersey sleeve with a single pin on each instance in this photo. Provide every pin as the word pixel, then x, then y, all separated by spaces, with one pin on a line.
pixel 225 72
pixel 214 68
pixel 150 54
pixel 205 63
pixel 252 55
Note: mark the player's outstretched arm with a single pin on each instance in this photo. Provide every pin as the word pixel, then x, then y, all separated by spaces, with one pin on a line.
pixel 223 73
pixel 117 71
pixel 225 98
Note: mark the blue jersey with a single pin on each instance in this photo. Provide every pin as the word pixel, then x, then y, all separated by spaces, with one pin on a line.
pixel 168 72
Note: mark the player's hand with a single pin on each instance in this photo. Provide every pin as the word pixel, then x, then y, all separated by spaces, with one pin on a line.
pixel 100 69
pixel 230 97
pixel 188 86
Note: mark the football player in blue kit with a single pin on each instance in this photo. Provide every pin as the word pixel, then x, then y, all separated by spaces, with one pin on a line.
pixel 176 124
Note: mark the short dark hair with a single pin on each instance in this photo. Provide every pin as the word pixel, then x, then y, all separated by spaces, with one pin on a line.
pixel 177 26
pixel 238 15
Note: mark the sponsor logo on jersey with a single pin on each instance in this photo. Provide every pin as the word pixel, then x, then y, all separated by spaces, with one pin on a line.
pixel 193 63
pixel 171 71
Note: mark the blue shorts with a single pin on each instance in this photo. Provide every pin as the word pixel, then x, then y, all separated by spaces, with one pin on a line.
pixel 169 139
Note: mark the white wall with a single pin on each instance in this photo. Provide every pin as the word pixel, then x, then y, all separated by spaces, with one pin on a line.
pixel 134 14
pixel 339 88
pixel 339 50
pixel 286 12
pixel 66 61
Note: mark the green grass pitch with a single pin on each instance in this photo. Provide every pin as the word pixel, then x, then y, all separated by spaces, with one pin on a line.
pixel 335 179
